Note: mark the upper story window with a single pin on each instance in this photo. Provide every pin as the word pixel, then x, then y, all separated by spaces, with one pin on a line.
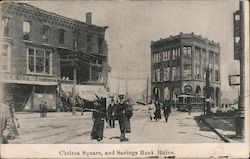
pixel 45 31
pixel 176 53
pixel 6 26
pixel 217 58
pixel 187 71
pixel 197 53
pixel 61 36
pixel 211 57
pixel 6 54
pixel 26 30
pixel 187 52
pixel 89 42
pixel 100 45
pixel 39 61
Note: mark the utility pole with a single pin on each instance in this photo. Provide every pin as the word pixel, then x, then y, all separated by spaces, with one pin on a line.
pixel 147 92
pixel 239 54
pixel 74 91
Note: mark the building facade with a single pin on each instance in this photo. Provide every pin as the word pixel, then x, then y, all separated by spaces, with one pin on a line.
pixel 41 48
pixel 179 64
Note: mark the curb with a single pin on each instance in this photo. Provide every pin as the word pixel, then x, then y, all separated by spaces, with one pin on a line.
pixel 214 130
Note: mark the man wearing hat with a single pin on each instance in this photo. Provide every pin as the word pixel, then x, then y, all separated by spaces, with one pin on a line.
pixel 6 124
pixel 123 118
pixel 111 114
pixel 98 116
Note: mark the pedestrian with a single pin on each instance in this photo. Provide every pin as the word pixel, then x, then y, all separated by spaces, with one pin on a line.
pixel 151 110
pixel 6 125
pixel 45 110
pixel 123 114
pixel 41 107
pixel 157 111
pixel 14 119
pixel 166 109
pixel 98 116
pixel 189 106
pixel 111 114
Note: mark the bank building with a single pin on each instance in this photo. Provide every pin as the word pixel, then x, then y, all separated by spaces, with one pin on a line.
pixel 179 64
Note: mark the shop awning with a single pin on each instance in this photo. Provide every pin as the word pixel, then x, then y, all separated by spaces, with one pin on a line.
pixel 87 92
pixel 31 83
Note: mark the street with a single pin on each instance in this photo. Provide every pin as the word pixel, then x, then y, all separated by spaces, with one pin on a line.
pixel 64 128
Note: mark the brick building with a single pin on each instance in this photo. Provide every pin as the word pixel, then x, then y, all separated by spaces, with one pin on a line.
pixel 179 64
pixel 41 48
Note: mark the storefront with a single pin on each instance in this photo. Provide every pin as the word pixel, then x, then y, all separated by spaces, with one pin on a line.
pixel 26 92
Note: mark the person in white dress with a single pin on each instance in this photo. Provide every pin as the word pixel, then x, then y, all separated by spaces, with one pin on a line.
pixel 151 110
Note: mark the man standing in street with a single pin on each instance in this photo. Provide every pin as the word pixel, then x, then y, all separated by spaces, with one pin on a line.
pixel 111 114
pixel 166 109
pixel 123 119
pixel 41 107
pixel 45 110
pixel 98 116
pixel 6 125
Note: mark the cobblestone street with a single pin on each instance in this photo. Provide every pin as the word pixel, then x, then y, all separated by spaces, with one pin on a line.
pixel 63 128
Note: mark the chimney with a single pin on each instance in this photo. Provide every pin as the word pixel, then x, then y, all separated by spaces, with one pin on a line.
pixel 88 17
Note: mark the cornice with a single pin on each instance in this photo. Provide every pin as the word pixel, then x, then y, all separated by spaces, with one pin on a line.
pixel 37 14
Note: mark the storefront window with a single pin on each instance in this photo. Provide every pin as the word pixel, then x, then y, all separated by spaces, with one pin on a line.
pixel 39 61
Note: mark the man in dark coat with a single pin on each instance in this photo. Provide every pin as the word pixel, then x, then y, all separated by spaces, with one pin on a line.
pixel 123 114
pixel 41 107
pixel 98 116
pixel 6 125
pixel 157 111
pixel 189 106
pixel 166 109
pixel 45 110
pixel 111 114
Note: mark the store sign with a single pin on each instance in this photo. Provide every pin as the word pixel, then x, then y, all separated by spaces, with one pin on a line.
pixel 38 80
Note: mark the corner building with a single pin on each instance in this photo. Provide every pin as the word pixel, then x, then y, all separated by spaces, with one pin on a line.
pixel 40 48
pixel 179 64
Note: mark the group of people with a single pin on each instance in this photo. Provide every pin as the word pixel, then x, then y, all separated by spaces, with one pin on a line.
pixel 155 110
pixel 43 109
pixel 120 111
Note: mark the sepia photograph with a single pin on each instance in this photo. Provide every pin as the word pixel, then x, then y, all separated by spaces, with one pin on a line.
pixel 121 77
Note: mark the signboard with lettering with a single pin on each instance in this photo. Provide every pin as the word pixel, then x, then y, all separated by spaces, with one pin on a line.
pixel 36 80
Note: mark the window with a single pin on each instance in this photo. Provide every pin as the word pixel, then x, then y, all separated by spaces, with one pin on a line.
pixel 187 71
pixel 158 75
pixel 45 34
pixel 211 57
pixel 26 30
pixel 26 27
pixel 61 36
pixel 39 61
pixel 89 42
pixel 165 74
pixel 6 26
pixel 197 53
pixel 75 44
pixel 175 73
pixel 6 57
pixel 164 55
pixel 197 71
pixel 100 45
pixel 187 52
pixel 216 58
pixel 216 75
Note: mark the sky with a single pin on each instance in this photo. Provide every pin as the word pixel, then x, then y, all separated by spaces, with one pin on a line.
pixel 132 25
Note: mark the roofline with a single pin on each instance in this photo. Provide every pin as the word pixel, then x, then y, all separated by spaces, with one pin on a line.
pixel 186 35
pixel 27 6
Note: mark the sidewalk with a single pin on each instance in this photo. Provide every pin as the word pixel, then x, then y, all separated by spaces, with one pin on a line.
pixel 224 126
